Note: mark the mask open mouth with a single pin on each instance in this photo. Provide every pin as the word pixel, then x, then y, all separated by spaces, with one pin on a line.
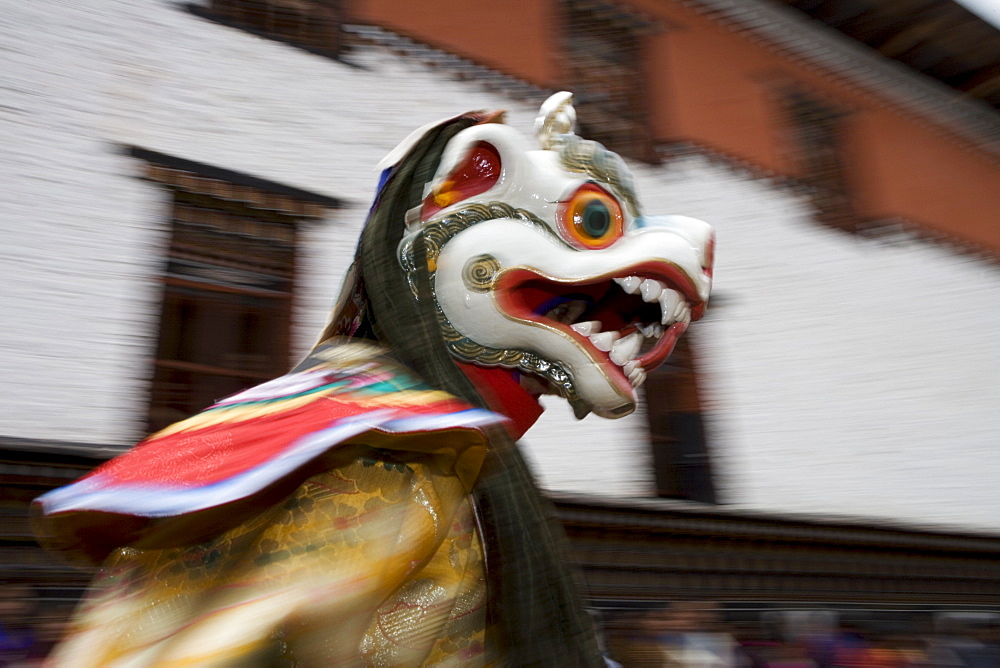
pixel 629 321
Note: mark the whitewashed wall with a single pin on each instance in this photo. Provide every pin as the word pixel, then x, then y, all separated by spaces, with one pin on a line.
pixel 844 376
pixel 83 238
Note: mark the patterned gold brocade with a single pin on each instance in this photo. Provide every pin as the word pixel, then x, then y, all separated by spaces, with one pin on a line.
pixel 376 562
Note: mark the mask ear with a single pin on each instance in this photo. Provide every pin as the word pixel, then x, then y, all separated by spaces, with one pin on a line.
pixel 478 172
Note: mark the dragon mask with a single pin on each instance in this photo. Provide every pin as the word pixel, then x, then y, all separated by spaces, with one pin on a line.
pixel 495 272
pixel 542 261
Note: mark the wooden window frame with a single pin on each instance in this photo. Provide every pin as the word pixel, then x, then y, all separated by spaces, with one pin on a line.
pixel 682 463
pixel 609 87
pixel 300 26
pixel 228 282
pixel 816 137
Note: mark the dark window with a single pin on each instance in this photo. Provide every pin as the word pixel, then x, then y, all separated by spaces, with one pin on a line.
pixel 677 429
pixel 603 49
pixel 227 285
pixel 313 25
pixel 816 140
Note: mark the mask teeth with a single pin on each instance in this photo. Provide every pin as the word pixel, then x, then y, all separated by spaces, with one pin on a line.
pixel 624 347
pixel 673 308
pixel 622 350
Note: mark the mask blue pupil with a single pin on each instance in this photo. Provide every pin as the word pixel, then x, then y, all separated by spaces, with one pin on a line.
pixel 596 219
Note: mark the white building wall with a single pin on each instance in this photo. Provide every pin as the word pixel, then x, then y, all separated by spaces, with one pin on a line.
pixel 844 376
pixel 83 238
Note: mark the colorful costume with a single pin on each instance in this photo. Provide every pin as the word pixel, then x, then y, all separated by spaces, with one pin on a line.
pixel 370 508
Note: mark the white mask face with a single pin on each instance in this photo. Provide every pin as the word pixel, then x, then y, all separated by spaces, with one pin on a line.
pixel 541 261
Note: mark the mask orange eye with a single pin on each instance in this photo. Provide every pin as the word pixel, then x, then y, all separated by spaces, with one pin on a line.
pixel 591 218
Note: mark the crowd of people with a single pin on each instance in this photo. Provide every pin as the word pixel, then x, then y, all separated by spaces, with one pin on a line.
pixel 682 634
pixel 29 626
pixel 693 634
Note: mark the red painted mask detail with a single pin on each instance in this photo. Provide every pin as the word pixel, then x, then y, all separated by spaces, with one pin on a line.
pixel 709 266
pixel 479 172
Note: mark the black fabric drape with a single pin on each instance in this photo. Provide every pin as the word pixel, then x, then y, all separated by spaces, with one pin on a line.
pixel 537 615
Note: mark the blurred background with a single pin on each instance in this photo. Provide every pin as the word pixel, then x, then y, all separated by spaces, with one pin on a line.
pixel 184 183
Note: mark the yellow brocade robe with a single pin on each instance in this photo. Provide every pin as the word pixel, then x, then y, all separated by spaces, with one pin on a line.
pixel 376 562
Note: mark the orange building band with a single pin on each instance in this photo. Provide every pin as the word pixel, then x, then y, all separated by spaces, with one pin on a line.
pixel 718 76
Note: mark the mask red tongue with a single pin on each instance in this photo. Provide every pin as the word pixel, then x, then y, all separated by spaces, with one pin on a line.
pixel 504 395
pixel 522 294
